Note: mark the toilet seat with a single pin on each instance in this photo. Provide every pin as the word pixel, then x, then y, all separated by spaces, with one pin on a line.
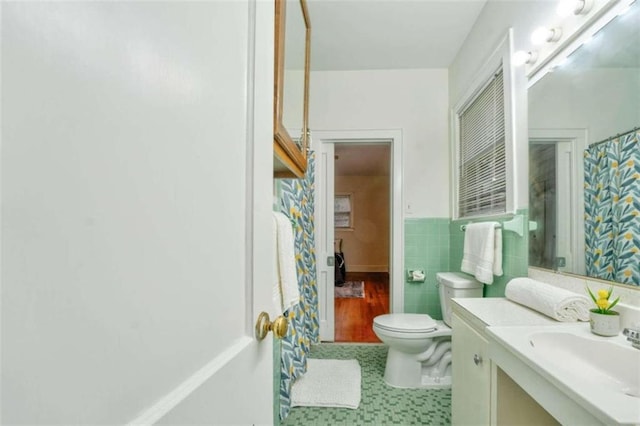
pixel 406 323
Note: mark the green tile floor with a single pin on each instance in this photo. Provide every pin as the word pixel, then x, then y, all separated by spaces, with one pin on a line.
pixel 381 404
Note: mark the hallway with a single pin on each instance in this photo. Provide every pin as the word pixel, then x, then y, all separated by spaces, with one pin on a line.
pixel 354 317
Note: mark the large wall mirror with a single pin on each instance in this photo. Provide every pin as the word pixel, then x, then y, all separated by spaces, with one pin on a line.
pixel 584 167
pixel 291 102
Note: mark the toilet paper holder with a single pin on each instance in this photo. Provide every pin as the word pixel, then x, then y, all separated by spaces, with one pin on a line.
pixel 415 275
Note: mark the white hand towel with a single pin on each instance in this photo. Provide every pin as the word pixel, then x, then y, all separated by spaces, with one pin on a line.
pixel 482 255
pixel 497 253
pixel 557 303
pixel 286 292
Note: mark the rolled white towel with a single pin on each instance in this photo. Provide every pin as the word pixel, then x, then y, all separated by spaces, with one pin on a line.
pixel 557 303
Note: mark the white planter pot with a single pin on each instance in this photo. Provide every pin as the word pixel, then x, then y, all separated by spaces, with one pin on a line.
pixel 604 325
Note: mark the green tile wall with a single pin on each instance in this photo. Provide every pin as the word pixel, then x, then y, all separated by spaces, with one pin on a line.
pixel 515 254
pixel 426 247
pixel 435 245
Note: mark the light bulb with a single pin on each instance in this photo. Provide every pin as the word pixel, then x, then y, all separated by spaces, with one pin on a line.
pixel 521 57
pixel 574 7
pixel 540 35
pixel 544 34
pixel 566 7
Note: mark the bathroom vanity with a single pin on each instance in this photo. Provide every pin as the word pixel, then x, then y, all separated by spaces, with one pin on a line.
pixel 477 381
pixel 512 365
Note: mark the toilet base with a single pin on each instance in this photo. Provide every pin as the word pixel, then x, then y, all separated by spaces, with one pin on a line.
pixel 436 382
pixel 404 371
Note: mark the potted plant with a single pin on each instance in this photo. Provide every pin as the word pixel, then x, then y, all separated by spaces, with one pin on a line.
pixel 604 321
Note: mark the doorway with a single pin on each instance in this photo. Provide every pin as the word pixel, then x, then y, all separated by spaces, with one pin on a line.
pixel 543 206
pixel 555 171
pixel 383 279
pixel 362 234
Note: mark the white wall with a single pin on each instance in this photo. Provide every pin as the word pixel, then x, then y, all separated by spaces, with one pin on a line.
pixel 490 28
pixel 366 245
pixel 415 101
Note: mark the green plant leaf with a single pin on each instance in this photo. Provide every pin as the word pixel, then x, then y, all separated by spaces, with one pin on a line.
pixel 592 296
pixel 614 303
pixel 609 292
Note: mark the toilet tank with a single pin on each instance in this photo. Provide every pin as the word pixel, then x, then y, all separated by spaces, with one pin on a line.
pixel 456 284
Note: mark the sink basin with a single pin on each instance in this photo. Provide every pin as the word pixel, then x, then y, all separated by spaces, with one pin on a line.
pixel 578 377
pixel 607 364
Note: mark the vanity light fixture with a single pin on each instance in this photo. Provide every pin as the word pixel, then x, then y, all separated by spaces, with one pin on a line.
pixel 575 7
pixel 561 63
pixel 587 40
pixel 543 34
pixel 521 58
pixel 624 10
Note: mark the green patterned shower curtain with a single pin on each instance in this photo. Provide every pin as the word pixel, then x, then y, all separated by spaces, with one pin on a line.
pixel 297 202
pixel 612 209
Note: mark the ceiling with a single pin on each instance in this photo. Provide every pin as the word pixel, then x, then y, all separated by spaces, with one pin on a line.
pixel 362 159
pixel 385 34
pixel 388 34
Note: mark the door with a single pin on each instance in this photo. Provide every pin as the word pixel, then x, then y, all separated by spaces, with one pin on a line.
pixel 136 204
pixel 325 241
pixel 471 381
pixel 553 244
pixel 565 210
pixel 324 213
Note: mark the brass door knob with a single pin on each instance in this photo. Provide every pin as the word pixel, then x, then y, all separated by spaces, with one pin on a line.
pixel 264 326
pixel 477 359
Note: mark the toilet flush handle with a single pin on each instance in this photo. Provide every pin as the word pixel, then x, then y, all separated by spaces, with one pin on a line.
pixel 477 359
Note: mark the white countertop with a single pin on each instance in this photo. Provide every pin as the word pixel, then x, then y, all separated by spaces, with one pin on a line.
pixel 568 395
pixel 595 378
pixel 500 311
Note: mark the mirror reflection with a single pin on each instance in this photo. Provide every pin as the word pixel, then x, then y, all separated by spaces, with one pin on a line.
pixel 294 67
pixel 584 169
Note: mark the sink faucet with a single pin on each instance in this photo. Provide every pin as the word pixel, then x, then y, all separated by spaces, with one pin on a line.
pixel 633 335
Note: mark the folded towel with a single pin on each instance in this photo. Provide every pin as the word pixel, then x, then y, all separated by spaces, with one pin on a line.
pixel 497 252
pixel 285 290
pixel 557 303
pixel 482 255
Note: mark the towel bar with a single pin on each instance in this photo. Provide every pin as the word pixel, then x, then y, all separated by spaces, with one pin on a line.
pixel 516 225
pixel 464 227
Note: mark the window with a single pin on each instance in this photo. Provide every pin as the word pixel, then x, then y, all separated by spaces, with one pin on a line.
pixel 488 141
pixel 343 211
pixel 482 162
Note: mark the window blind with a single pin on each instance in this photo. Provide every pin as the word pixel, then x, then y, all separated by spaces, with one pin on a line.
pixel 482 173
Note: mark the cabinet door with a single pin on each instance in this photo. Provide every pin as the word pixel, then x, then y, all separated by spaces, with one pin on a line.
pixel 291 94
pixel 471 376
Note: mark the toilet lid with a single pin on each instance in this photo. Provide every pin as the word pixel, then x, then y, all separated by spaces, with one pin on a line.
pixel 407 323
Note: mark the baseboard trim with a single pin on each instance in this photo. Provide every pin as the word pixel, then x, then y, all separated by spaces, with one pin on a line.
pixel 172 399
pixel 368 268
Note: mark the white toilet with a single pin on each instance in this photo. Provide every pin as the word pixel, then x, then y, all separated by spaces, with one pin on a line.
pixel 419 346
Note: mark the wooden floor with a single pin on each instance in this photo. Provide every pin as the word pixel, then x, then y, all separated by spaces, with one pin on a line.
pixel 354 317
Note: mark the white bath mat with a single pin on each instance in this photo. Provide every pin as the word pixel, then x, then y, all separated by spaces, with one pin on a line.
pixel 328 383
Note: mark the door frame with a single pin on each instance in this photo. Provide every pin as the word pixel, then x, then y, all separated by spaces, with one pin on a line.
pixel 576 138
pixel 396 267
